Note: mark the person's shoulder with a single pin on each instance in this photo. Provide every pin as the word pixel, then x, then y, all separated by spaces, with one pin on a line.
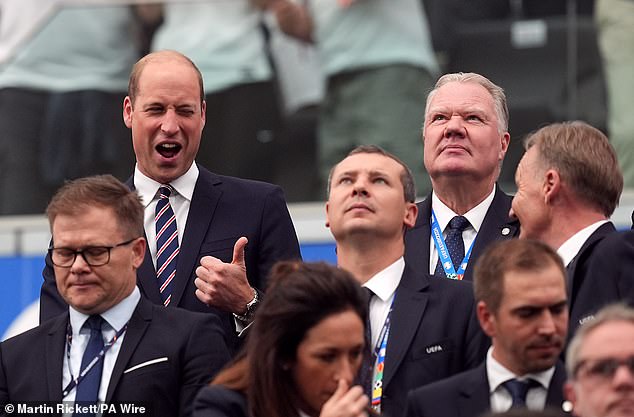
pixel 38 333
pixel 448 385
pixel 240 183
pixel 217 400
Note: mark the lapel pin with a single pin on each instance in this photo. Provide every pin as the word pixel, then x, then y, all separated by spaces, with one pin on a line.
pixel 506 231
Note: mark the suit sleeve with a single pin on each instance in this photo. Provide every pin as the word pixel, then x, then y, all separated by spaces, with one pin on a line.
pixel 4 388
pixel 205 354
pixel 51 303
pixel 413 409
pixel 278 240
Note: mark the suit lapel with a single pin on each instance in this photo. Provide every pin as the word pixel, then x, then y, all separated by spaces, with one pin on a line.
pixel 474 397
pixel 555 396
pixel 409 305
pixel 496 225
pixel 55 348
pixel 137 326
pixel 574 282
pixel 201 211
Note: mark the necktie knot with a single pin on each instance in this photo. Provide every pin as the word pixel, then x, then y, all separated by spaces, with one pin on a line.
pixel 459 223
pixel 94 323
pixel 518 390
pixel 165 191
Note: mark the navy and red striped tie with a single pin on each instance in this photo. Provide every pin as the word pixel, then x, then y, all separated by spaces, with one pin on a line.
pixel 166 244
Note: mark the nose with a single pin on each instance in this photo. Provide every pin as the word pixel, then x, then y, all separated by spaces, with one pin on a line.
pixel 79 265
pixel 455 127
pixel 169 123
pixel 547 323
pixel 623 376
pixel 346 371
pixel 360 187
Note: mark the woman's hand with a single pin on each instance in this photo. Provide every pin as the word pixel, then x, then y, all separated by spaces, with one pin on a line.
pixel 346 402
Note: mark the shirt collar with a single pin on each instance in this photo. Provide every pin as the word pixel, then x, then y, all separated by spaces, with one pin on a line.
pixel 117 316
pixel 147 188
pixel 497 374
pixel 475 216
pixel 571 247
pixel 384 283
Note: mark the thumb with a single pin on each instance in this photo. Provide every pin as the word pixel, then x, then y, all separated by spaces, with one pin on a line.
pixel 238 251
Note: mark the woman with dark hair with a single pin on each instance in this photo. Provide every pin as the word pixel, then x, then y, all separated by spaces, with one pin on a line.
pixel 303 351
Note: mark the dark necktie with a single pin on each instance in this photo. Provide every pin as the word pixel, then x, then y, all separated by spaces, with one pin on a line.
pixel 166 244
pixel 518 390
pixel 367 365
pixel 88 388
pixel 454 242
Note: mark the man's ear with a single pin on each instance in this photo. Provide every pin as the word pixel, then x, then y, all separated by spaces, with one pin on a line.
pixel 486 319
pixel 127 112
pixel 411 212
pixel 551 186
pixel 327 219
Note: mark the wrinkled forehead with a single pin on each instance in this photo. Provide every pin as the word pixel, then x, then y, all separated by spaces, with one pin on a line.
pixel 610 339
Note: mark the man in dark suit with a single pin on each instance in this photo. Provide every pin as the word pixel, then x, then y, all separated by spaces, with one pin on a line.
pixel 422 329
pixel 520 289
pixel 215 215
pixel 465 139
pixel 568 185
pixel 111 345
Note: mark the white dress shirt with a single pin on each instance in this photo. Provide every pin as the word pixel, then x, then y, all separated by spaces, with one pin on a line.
pixel 114 320
pixel 180 200
pixel 501 399
pixel 383 285
pixel 444 215
pixel 571 247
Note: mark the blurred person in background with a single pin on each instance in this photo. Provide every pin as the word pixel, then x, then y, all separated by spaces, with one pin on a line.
pixel 378 62
pixel 62 78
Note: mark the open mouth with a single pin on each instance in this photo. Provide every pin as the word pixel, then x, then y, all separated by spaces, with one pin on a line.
pixel 168 150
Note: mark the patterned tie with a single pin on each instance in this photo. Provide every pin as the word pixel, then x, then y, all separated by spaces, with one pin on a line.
pixel 88 388
pixel 518 390
pixel 166 244
pixel 454 242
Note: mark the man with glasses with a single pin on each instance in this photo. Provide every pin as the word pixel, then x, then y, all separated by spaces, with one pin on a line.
pixel 112 347
pixel 600 362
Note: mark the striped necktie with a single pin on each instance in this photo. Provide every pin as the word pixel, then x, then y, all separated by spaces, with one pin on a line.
pixel 166 244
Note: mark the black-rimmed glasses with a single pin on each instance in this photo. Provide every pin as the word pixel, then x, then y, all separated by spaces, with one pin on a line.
pixel 604 368
pixel 93 255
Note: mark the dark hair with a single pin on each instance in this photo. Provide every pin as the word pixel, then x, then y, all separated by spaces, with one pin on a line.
pixel 585 160
pixel 137 69
pixel 407 179
pixel 504 257
pixel 299 296
pixel 99 191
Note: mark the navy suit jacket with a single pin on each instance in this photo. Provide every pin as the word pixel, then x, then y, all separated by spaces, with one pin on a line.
pixel 218 401
pixel 222 210
pixel 496 225
pixel 601 273
pixel 467 395
pixel 434 334
pixel 193 343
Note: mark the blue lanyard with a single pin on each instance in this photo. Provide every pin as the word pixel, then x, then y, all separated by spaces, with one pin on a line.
pixel 443 253
pixel 69 341
pixel 379 353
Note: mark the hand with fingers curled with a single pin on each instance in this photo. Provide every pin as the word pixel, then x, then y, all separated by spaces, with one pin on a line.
pixel 346 402
pixel 224 285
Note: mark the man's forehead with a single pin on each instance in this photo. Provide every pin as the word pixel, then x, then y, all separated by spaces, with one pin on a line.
pixel 367 162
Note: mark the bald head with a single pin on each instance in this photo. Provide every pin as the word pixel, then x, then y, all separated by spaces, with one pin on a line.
pixel 160 57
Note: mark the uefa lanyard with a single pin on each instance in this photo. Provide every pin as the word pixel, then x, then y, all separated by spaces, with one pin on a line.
pixel 69 341
pixel 379 353
pixel 443 253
